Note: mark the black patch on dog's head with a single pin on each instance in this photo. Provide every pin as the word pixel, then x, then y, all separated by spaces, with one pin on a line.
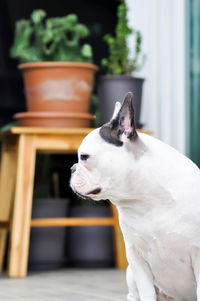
pixel 123 123
pixel 111 133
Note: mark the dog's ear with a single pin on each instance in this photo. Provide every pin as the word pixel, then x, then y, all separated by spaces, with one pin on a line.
pixel 123 122
pixel 116 110
pixel 126 116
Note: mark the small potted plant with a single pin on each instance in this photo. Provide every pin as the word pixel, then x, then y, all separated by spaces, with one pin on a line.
pixel 57 70
pixel 90 246
pixel 47 244
pixel 119 68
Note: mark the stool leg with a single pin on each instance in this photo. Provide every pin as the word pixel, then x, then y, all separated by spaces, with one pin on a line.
pixel 7 185
pixel 21 219
pixel 120 253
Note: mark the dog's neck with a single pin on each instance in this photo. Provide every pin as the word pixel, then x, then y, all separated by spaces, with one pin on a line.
pixel 148 204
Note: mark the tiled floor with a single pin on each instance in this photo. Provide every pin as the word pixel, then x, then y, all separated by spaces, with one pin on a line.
pixel 66 285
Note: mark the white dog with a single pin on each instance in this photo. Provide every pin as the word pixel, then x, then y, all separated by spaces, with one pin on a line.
pixel 157 193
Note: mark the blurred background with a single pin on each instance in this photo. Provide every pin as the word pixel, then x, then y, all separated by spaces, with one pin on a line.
pixel 170 33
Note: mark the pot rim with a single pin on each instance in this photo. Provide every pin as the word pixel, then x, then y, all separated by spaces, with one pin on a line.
pixel 119 77
pixel 57 64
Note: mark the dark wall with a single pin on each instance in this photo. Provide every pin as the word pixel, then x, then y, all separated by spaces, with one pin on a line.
pixel 98 15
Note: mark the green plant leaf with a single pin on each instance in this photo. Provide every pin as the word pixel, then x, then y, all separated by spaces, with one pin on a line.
pixel 53 39
pixel 38 15
pixel 86 51
pixel 119 60
pixel 81 30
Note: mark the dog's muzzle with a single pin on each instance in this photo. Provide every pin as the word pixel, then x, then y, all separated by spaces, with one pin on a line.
pixel 82 182
pixel 73 168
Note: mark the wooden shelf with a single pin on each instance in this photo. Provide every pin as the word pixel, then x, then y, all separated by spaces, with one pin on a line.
pixel 73 221
pixel 66 222
pixel 51 131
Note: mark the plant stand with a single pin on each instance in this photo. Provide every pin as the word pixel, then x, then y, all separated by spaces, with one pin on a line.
pixel 20 146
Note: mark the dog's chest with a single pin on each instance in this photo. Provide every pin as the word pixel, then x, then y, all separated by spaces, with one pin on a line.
pixel 167 255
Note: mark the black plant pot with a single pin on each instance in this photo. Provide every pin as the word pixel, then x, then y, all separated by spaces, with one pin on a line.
pixel 90 246
pixel 47 244
pixel 112 88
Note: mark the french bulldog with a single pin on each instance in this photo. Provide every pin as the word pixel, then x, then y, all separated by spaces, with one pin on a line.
pixel 157 193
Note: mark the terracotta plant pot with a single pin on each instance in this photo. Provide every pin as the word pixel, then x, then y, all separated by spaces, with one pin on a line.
pixel 57 94
pixel 50 119
pixel 58 86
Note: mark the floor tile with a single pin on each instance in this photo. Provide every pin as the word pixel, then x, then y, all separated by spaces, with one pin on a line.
pixel 70 285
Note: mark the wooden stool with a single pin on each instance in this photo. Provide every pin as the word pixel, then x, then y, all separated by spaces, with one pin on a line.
pixel 19 149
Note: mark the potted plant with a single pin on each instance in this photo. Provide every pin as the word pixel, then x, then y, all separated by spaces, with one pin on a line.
pixel 90 246
pixel 48 244
pixel 119 68
pixel 57 70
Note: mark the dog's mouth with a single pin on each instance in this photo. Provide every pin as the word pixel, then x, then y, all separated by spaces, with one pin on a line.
pixel 95 191
pixel 89 194
pixel 80 195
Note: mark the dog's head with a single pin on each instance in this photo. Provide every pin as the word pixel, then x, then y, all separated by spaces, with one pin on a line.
pixel 106 157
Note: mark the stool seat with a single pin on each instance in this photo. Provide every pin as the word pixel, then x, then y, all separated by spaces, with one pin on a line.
pixel 19 149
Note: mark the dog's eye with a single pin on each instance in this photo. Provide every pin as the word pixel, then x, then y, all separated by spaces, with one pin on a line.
pixel 84 157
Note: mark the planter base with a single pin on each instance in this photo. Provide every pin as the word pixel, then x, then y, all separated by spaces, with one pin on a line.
pixel 50 119
pixel 90 246
pixel 47 244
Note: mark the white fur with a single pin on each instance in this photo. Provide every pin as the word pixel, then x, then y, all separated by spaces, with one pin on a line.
pixel 157 194
pixel 116 109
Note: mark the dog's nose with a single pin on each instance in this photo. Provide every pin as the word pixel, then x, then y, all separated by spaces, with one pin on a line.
pixel 73 168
